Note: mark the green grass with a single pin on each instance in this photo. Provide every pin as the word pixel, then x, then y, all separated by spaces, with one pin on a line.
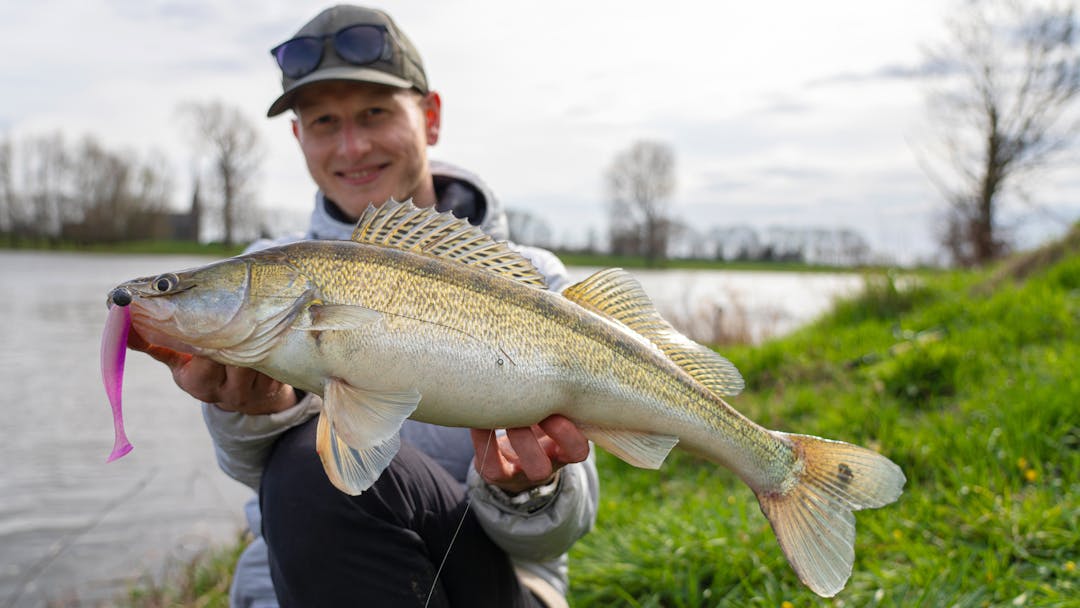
pixel 202 582
pixel 218 250
pixel 977 398
pixel 974 392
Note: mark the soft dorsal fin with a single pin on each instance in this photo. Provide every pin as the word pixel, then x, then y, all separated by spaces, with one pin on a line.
pixel 616 294
pixel 405 226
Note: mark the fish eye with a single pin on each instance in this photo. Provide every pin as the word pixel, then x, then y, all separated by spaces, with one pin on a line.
pixel 164 283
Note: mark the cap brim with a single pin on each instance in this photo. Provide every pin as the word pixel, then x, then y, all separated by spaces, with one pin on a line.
pixel 356 74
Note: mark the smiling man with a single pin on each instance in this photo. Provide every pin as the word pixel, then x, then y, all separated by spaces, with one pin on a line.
pixel 364 119
pixel 366 143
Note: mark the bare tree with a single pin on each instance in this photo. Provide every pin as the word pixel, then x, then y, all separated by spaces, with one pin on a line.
pixel 640 180
pixel 83 192
pixel 113 197
pixel 1008 109
pixel 45 186
pixel 100 196
pixel 233 145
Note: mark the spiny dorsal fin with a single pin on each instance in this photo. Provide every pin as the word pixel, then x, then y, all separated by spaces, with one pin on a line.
pixel 405 226
pixel 616 294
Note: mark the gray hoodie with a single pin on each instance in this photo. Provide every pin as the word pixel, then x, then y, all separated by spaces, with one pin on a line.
pixel 536 541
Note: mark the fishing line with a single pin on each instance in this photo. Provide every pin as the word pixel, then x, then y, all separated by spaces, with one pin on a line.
pixel 461 522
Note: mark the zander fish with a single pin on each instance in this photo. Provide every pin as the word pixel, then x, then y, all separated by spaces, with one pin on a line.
pixel 423 316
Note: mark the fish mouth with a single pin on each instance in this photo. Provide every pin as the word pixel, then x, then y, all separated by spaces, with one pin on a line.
pixel 152 318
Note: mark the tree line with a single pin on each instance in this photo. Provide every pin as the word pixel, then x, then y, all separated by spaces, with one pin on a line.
pixel 56 189
pixel 52 188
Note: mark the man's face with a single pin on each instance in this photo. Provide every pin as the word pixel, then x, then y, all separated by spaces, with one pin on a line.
pixel 365 143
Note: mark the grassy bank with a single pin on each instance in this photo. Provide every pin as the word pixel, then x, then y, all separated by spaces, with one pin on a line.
pixel 969 382
pixel 218 250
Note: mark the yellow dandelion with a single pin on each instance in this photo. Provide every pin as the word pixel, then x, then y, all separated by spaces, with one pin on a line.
pixel 1021 463
pixel 1070 566
pixel 897 535
pixel 1031 475
pixel 786 604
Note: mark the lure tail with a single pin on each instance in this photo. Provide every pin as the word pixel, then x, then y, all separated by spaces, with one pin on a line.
pixel 113 351
pixel 813 518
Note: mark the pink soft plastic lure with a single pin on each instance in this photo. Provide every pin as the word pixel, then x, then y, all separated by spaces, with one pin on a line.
pixel 113 350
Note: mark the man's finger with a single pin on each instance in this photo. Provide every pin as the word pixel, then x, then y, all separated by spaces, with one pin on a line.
pixel 532 458
pixel 201 378
pixel 572 444
pixel 241 380
pixel 490 462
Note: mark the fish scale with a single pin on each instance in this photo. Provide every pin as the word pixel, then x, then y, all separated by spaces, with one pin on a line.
pixel 422 315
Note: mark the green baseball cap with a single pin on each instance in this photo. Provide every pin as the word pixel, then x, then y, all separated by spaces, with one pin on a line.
pixel 398 65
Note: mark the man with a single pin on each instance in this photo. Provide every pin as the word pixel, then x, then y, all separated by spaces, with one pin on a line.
pixel 364 117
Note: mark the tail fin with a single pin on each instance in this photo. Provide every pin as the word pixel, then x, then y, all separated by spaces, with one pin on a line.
pixel 812 519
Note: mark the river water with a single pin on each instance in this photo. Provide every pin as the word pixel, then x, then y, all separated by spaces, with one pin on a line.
pixel 77 531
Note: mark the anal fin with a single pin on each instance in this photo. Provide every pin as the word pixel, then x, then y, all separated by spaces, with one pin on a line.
pixel 643 450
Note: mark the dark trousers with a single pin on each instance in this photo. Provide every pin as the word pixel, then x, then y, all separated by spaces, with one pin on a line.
pixel 381 548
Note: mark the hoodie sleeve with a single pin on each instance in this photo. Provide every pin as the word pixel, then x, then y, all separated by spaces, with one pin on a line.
pixel 242 443
pixel 549 531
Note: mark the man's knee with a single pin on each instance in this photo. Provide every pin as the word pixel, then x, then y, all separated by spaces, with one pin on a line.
pixel 297 498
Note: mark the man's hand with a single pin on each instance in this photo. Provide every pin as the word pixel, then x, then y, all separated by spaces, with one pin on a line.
pixel 528 457
pixel 233 389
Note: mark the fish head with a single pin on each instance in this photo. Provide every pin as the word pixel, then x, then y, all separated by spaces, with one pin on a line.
pixel 231 311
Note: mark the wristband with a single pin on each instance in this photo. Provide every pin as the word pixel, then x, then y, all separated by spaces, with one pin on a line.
pixel 528 501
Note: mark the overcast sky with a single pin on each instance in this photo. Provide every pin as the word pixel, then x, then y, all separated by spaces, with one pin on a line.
pixel 791 114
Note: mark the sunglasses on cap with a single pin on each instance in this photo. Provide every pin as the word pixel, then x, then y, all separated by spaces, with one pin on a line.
pixel 359 44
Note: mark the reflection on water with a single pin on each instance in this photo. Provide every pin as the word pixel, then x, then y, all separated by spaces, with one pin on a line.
pixel 751 305
pixel 73 529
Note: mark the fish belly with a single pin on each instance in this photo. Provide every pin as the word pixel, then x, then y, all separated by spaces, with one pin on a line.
pixel 460 385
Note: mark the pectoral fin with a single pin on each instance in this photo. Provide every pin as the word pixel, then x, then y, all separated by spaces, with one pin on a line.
pixel 644 450
pixel 330 317
pixel 358 432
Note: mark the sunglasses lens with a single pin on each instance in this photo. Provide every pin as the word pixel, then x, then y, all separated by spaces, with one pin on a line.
pixel 359 44
pixel 299 56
